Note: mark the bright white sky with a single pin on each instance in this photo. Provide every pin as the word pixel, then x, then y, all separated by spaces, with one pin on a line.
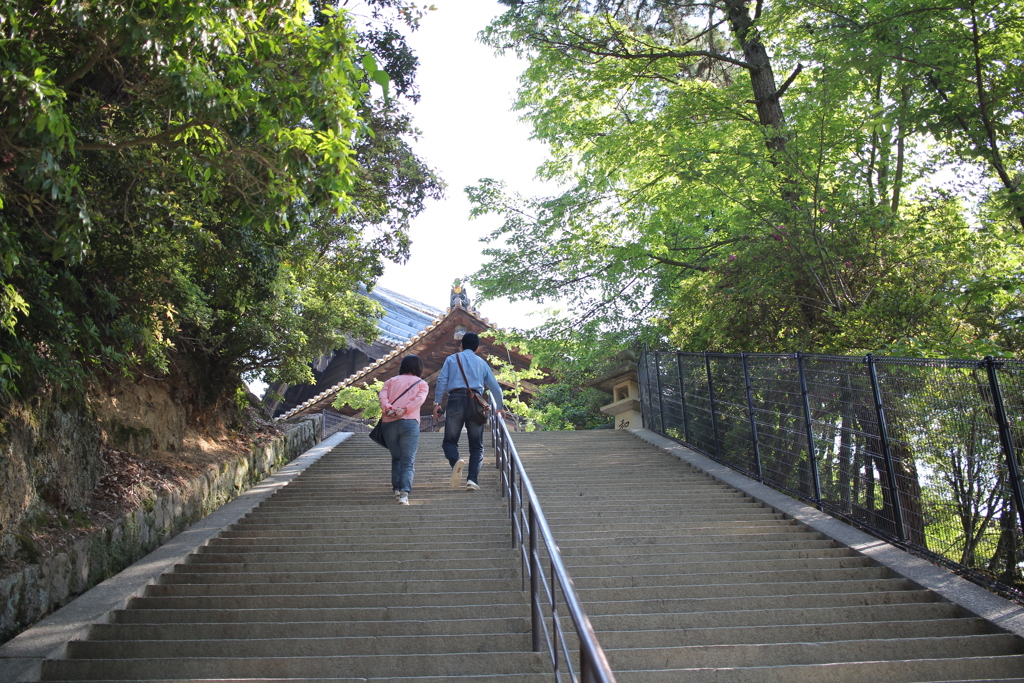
pixel 469 132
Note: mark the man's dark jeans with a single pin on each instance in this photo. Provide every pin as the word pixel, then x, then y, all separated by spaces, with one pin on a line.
pixel 455 419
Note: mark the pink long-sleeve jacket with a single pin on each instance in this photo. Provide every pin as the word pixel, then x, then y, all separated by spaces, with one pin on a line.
pixel 411 401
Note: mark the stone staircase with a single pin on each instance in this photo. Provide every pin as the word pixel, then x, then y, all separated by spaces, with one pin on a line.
pixel 686 579
pixel 331 579
pixel 683 577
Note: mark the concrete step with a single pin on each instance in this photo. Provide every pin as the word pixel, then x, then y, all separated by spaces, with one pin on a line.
pixel 977 669
pixel 745 590
pixel 306 629
pixel 655 605
pixel 308 646
pixel 226 666
pixel 490 678
pixel 773 617
pixel 370 587
pixel 830 652
pixel 330 568
pixel 797 633
pixel 580 571
pixel 185 576
pixel 324 600
pixel 658 581
pixel 341 553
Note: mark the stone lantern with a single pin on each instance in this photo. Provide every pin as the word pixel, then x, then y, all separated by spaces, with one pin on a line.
pixel 621 382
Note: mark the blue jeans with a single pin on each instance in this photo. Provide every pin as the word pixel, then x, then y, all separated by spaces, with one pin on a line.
pixel 454 419
pixel 402 437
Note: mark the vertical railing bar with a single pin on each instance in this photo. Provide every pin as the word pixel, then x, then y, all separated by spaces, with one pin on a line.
pixel 750 412
pixel 883 435
pixel 642 385
pixel 682 395
pixel 646 389
pixel 809 426
pixel 711 398
pixel 661 395
pixel 1006 438
pixel 535 613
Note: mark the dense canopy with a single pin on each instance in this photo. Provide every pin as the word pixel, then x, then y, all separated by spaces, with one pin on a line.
pixel 740 176
pixel 212 178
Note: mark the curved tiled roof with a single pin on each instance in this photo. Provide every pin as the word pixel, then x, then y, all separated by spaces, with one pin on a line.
pixel 403 317
pixel 329 393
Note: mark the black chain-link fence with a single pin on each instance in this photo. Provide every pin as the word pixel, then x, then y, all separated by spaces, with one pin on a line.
pixel 924 453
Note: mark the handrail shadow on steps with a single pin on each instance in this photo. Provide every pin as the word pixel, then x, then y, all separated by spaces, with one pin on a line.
pixel 529 527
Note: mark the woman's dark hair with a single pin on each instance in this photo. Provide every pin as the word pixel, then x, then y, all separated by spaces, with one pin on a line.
pixel 411 365
pixel 470 341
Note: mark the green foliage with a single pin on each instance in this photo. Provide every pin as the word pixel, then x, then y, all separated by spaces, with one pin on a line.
pixel 696 214
pixel 214 178
pixel 565 405
pixel 365 399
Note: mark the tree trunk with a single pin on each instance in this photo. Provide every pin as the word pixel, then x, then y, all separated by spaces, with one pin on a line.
pixel 762 78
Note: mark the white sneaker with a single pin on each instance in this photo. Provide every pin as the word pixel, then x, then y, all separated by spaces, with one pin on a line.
pixel 472 486
pixel 396 492
pixel 403 499
pixel 457 472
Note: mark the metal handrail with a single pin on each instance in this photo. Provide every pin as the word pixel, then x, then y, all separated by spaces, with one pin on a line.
pixel 529 526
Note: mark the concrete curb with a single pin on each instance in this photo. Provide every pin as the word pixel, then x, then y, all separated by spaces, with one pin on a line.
pixel 21 657
pixel 949 586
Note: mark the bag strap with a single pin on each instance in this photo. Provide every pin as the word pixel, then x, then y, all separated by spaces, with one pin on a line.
pixel 480 399
pixel 463 371
pixel 407 390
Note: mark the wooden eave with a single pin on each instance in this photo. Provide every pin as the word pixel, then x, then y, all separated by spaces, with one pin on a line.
pixel 432 345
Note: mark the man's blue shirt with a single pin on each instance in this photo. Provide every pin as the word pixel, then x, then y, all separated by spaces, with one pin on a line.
pixel 478 372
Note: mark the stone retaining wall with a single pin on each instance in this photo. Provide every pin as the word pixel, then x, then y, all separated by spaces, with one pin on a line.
pixel 37 590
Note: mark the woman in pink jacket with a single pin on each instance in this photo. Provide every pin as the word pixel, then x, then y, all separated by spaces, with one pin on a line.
pixel 400 402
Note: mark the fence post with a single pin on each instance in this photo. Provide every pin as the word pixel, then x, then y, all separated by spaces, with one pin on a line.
pixel 682 396
pixel 537 617
pixel 1006 438
pixel 750 412
pixel 711 398
pixel 883 435
pixel 645 385
pixel 661 396
pixel 809 426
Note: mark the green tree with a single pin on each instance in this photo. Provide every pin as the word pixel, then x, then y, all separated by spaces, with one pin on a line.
pixel 696 209
pixel 214 179
pixel 365 399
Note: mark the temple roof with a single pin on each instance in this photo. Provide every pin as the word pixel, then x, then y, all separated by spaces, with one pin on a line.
pixel 432 343
pixel 403 317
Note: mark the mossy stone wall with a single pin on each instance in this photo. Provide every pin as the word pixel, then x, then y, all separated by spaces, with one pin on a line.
pixel 39 589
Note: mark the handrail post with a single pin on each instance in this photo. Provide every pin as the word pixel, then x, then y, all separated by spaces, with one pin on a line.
pixel 646 388
pixel 711 398
pixel 883 435
pixel 750 412
pixel 809 426
pixel 661 395
pixel 1006 438
pixel 682 396
pixel 535 613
